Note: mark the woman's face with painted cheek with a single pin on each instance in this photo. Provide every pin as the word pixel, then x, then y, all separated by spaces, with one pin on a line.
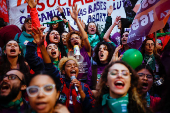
pixel 53 51
pixel 118 80
pixel 12 49
pixel 91 29
pixel 103 53
pixel 54 37
pixel 145 80
pixel 55 26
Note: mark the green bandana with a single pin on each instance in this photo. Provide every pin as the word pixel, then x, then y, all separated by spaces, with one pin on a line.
pixel 15 104
pixel 93 40
pixel 162 34
pixel 56 63
pixel 151 62
pixel 118 105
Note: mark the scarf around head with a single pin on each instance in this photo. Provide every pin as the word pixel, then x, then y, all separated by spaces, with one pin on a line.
pixel 116 105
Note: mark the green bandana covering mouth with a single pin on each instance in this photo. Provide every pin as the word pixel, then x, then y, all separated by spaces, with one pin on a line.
pixel 116 105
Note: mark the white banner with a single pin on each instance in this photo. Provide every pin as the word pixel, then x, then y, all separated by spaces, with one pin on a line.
pixel 91 10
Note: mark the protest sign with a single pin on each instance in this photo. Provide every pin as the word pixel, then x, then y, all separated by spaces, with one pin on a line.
pixel 151 16
pixel 3 10
pixel 91 10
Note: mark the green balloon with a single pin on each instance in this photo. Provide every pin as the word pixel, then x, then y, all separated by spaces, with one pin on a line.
pixel 133 57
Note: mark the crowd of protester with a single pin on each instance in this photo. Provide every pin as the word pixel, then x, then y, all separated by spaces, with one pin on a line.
pixel 81 71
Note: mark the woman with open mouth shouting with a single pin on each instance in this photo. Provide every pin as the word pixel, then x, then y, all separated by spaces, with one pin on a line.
pixel 52 50
pixel 118 91
pixel 43 92
pixel 146 79
pixel 75 95
pixel 80 39
pixel 103 53
pixel 12 58
pixel 92 29
pixel 54 37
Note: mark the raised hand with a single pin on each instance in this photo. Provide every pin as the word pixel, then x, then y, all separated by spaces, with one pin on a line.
pixel 32 3
pixel 60 9
pixel 74 13
pixel 115 54
pixel 65 21
pixel 77 83
pixel 82 23
pixel 38 36
pixel 110 10
pixel 117 20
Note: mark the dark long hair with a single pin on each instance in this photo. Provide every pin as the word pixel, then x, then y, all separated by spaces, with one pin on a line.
pixel 60 45
pixel 143 66
pixel 136 103
pixel 110 49
pixel 60 27
pixel 5 65
pixel 86 28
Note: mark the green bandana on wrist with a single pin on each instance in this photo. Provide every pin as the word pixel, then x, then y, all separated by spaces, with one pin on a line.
pixel 118 105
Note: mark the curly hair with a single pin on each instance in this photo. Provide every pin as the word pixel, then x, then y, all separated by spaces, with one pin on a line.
pixel 60 27
pixel 110 49
pixel 63 61
pixel 136 102
pixel 5 65
pixel 23 26
pixel 86 28
pixel 69 45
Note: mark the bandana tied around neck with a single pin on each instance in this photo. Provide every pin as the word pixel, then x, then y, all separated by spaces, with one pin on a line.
pixel 15 104
pixel 116 105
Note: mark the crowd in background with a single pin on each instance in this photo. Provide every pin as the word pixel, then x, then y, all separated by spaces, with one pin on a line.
pixel 81 71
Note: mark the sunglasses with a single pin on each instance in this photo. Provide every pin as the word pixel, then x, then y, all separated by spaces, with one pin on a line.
pixel 33 91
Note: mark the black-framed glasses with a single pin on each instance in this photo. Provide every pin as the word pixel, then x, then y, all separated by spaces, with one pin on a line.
pixel 148 76
pixel 10 77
